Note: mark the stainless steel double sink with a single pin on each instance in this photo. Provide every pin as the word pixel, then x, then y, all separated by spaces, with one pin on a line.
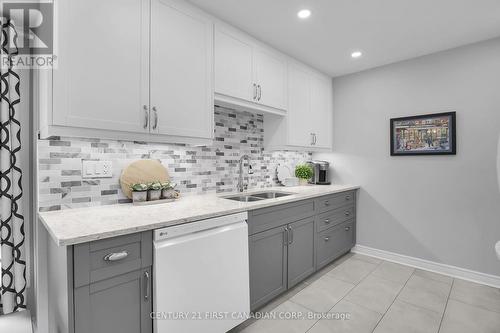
pixel 258 196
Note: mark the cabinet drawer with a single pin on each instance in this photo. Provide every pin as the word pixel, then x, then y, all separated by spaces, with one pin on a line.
pixel 271 217
pixel 334 201
pixel 106 258
pixel 334 217
pixel 334 242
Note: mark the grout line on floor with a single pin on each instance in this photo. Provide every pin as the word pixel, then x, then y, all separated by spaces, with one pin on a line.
pixel 480 307
pixel 376 266
pixel 446 306
pixel 340 300
pixel 395 298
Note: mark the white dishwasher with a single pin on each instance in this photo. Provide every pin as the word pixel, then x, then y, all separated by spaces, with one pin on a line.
pixel 201 276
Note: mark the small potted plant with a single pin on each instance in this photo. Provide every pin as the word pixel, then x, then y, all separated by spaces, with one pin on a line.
pixel 303 172
pixel 139 192
pixel 168 190
pixel 154 191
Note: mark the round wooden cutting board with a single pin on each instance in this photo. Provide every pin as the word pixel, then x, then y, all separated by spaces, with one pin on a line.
pixel 142 171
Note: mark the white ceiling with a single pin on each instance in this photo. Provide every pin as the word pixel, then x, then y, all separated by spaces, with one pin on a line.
pixel 386 31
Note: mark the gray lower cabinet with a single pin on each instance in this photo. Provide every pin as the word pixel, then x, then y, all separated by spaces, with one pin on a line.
pixel 334 242
pixel 102 286
pixel 279 259
pixel 268 265
pixel 120 304
pixel 288 243
pixel 300 250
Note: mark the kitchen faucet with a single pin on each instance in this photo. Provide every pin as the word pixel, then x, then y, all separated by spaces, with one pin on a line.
pixel 242 187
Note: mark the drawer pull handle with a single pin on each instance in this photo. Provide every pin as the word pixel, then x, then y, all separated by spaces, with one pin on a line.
pixel 347 228
pixel 146 286
pixel 327 239
pixel 327 203
pixel 347 213
pixel 348 197
pixel 327 221
pixel 116 256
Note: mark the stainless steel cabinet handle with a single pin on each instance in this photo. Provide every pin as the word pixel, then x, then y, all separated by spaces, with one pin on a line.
pixel 254 91
pixel 116 256
pixel 291 235
pixel 260 92
pixel 314 139
pixel 146 285
pixel 146 116
pixel 348 197
pixel 156 117
pixel 285 237
pixel 327 221
pixel 347 228
pixel 327 203
pixel 327 239
pixel 347 213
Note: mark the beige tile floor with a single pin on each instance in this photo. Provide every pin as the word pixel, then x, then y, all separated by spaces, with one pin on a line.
pixel 381 297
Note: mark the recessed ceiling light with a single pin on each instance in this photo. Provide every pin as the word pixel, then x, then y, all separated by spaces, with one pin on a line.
pixel 304 13
pixel 356 54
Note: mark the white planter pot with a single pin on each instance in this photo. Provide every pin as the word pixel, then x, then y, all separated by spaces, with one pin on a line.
pixel 139 196
pixel 303 182
pixel 154 195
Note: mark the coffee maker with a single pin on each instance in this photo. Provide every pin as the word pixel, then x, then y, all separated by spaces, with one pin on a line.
pixel 321 172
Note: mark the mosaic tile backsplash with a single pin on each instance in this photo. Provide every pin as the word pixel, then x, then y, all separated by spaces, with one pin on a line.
pixel 196 170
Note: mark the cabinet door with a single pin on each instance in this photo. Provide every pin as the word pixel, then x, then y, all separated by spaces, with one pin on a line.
pixel 300 251
pixel 233 66
pixel 321 110
pixel 102 79
pixel 181 70
pixel 121 304
pixel 334 242
pixel 270 72
pixel 268 265
pixel 298 117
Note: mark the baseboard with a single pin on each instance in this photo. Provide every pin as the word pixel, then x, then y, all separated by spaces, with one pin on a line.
pixel 453 271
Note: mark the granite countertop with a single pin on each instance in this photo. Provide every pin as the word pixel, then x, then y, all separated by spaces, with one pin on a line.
pixel 73 226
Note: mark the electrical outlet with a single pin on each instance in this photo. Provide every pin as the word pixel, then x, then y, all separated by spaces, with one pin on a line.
pixel 97 169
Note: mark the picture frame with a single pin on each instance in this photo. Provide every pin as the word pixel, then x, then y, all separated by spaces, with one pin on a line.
pixel 427 134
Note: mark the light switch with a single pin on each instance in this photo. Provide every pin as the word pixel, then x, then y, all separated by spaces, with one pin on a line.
pixel 97 169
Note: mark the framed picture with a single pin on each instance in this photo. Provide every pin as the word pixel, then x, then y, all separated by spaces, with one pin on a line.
pixel 429 134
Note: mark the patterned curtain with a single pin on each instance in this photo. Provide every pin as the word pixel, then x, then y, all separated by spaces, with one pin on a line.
pixel 13 288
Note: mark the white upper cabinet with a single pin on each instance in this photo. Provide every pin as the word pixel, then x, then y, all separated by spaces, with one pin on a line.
pixel 299 101
pixel 321 111
pixel 270 72
pixel 130 69
pixel 247 74
pixel 151 70
pixel 233 66
pixel 181 70
pixel 101 81
pixel 308 124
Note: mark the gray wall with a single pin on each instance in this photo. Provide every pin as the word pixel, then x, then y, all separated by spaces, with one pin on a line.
pixel 440 208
